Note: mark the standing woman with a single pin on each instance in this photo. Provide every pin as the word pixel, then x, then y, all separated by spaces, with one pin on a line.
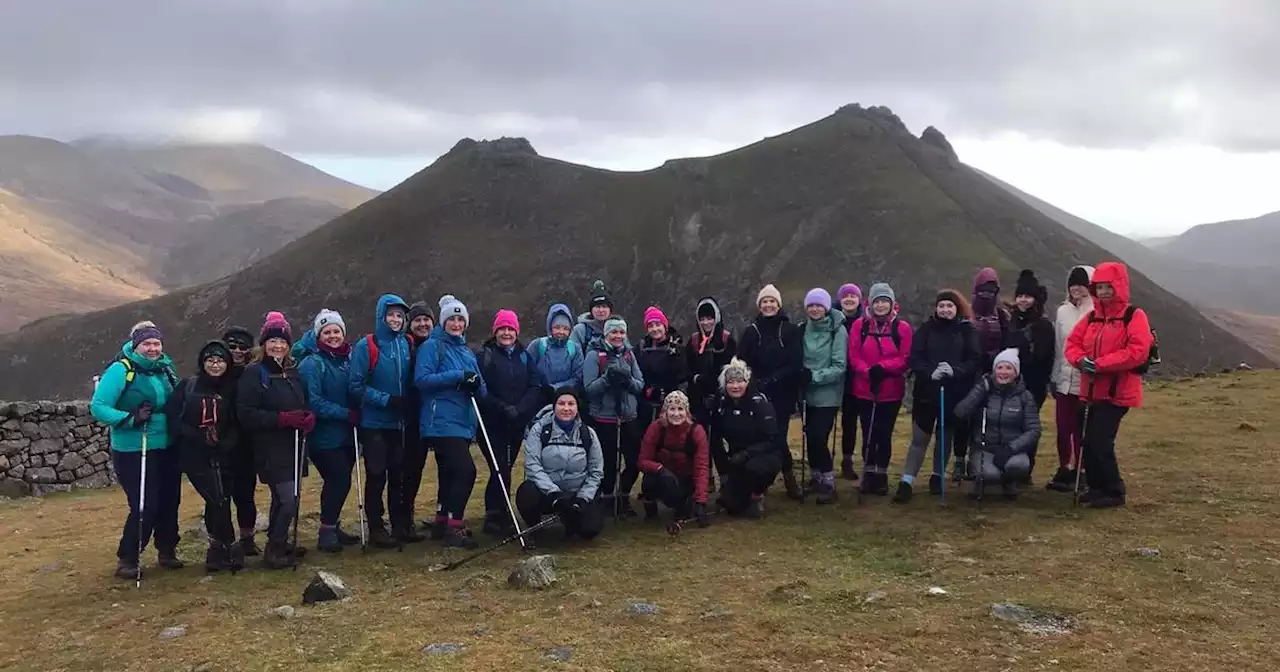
pixel 709 351
pixel 244 488
pixel 773 349
pixel 331 446
pixel 850 297
pixel 613 382
pixel 271 404
pixel 1032 333
pixel 878 348
pixel 449 378
pixel 422 320
pixel 556 356
pixel 989 317
pixel 1066 378
pixel 128 399
pixel 826 347
pixel 662 364
pixel 202 422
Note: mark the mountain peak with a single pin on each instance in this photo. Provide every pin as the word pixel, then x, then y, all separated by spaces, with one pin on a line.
pixel 503 145
pixel 932 136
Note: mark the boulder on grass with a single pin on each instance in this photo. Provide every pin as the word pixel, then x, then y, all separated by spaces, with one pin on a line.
pixel 536 572
pixel 325 587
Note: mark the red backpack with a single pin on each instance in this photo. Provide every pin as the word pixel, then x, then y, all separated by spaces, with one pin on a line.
pixel 373 353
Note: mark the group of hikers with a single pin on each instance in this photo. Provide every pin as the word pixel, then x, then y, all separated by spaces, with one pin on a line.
pixel 596 409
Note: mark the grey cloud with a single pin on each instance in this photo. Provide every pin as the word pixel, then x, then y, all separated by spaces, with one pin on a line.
pixel 365 77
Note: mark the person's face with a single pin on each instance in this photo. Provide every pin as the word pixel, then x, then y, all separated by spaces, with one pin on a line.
pixel 421 326
pixel 769 306
pixel 657 331
pixel 276 348
pixel 707 324
pixel 601 312
pixel 505 336
pixel 151 349
pixel 395 319
pixel 331 336
pixel 677 415
pixel 735 388
pixel 1103 290
pixel 560 331
pixel 850 303
pixel 239 352
pixel 946 310
pixel 215 366
pixel 616 338
pixel 1024 302
pixel 566 408
pixel 454 326
pixel 1077 293
pixel 1005 373
pixel 881 307
pixel 815 311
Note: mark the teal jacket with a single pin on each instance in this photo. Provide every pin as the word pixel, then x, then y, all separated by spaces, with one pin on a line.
pixel 326 377
pixel 114 398
pixel 826 345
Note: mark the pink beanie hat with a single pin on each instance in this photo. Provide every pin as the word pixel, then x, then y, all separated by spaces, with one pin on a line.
pixel 654 314
pixel 506 318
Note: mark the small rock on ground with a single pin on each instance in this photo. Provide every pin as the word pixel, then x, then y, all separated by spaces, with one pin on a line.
pixel 173 632
pixel 207 578
pixel 560 654
pixel 937 591
pixel 262 523
pixel 875 596
pixel 641 608
pixel 324 587
pixel 443 649
pixel 536 572
pixel 1146 552
pixel 283 611
pixel 1031 621
pixel 716 613
pixel 51 567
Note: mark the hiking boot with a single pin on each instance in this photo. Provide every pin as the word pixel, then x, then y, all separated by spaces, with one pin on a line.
pixel 650 510
pixel 1107 501
pixel 497 527
pixel 935 485
pixel 217 559
pixel 277 556
pixel 826 493
pixel 235 557
pixel 882 484
pixel 868 486
pixel 793 488
pixel 755 509
pixel 296 551
pixel 250 546
pixel 127 570
pixel 405 534
pixel 379 538
pixel 1063 481
pixel 344 538
pixel 458 536
pixel 327 541
pixel 846 469
pixel 624 509
pixel 903 495
pixel 169 560
pixel 438 528
pixel 1090 495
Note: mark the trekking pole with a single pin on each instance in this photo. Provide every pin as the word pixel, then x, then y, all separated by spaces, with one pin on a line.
pixel 484 551
pixel 364 531
pixel 617 460
pixel 1084 430
pixel 804 448
pixel 297 493
pixel 142 504
pixel 942 438
pixel 868 447
pixel 676 526
pixel 399 478
pixel 980 478
pixel 497 472
pixel 223 504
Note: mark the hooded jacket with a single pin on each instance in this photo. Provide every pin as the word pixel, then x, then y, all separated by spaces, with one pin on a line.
pixel 879 349
pixel 558 362
pixel 1012 416
pixel 991 321
pixel 262 393
pixel 662 366
pixel 605 402
pixel 563 464
pixel 1116 350
pixel 114 399
pixel 326 375
pixel 707 354
pixel 446 410
pixel 952 341
pixel 1033 335
pixel 1066 378
pixel 826 352
pixel 390 378
pixel 663 447
pixel 197 403
pixel 774 349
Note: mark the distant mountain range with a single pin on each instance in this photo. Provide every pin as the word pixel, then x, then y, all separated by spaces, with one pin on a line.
pixel 97 222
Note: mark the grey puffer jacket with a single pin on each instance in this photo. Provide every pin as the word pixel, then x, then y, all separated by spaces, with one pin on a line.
pixel 562 462
pixel 1012 418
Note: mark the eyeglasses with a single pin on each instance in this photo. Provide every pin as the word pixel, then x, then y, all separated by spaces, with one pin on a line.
pixel 237 347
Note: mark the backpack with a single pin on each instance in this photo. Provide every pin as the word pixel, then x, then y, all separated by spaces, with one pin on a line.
pixel 131 374
pixel 584 433
pixel 1153 355
pixel 893 332
pixel 542 347
pixel 373 353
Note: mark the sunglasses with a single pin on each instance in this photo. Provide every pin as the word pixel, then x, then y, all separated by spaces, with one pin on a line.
pixel 237 347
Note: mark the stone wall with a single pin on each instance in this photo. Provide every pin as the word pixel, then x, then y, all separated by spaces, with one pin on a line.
pixel 51 447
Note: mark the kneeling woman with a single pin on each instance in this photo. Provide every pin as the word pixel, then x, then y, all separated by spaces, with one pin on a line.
pixel 1006 424
pixel 744 431
pixel 563 468
pixel 203 422
pixel 674 460
pixel 271 403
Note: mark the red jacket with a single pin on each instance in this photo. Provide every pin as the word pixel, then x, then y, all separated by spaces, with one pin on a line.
pixel 1115 350
pixel 664 447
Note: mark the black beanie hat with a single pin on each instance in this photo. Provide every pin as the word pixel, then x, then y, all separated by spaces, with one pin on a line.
pixel 214 349
pixel 420 308
pixel 1027 284
pixel 600 295
pixel 1078 277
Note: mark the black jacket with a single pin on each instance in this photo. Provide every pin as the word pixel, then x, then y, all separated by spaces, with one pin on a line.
pixel 774 349
pixel 197 403
pixel 263 392
pixel 663 367
pixel 512 382
pixel 1034 336
pixel 705 356
pixel 952 341
pixel 1012 417
pixel 746 424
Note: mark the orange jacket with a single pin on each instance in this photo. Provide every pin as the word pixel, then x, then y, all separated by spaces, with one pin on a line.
pixel 1115 350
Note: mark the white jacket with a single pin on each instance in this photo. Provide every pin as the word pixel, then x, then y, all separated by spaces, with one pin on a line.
pixel 1066 378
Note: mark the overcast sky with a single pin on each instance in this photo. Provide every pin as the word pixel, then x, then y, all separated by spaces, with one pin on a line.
pixel 1143 116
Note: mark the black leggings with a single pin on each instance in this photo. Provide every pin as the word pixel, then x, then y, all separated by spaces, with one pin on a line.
pixel 244 487
pixel 456 473
pixel 818 425
pixel 533 504
pixel 664 486
pixel 160 510
pixel 849 426
pixel 608 434
pixel 878 419
pixel 1101 470
pixel 284 508
pixel 334 465
pixel 211 485
pixel 383 453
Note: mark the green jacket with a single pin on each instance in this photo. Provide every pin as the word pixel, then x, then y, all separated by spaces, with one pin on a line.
pixel 114 398
pixel 825 355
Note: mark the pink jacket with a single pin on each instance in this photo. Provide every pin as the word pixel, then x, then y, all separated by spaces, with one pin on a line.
pixel 879 349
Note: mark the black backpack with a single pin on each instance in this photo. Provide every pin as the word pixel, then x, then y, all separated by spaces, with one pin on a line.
pixel 893 332
pixel 584 434
pixel 1153 355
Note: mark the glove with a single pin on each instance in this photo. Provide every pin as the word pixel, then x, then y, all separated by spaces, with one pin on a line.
pixel 353 417
pixel 648 394
pixel 211 436
pixel 876 374
pixel 985 382
pixel 308 423
pixel 395 404
pixel 140 415
pixel 806 377
pixel 738 459
pixel 561 502
pixel 700 513
pixel 510 411
pixel 617 377
pixel 1088 365
pixel 290 419
pixel 578 504
pixel 470 382
pixel 937 373
pixel 946 370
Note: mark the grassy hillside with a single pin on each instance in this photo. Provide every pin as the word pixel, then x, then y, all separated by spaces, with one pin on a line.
pixel 1190 459
pixel 1241 243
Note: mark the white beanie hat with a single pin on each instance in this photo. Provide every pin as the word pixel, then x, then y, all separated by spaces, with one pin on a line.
pixel 327 317
pixel 450 306
pixel 1009 356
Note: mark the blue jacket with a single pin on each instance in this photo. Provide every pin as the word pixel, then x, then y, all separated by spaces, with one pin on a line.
pixel 604 401
pixel 326 377
pixel 559 362
pixel 446 411
pixel 114 399
pixel 390 378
